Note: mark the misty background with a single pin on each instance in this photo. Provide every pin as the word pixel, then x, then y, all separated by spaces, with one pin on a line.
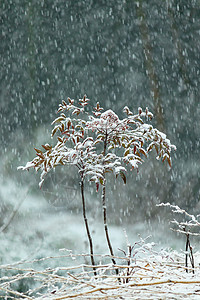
pixel 117 52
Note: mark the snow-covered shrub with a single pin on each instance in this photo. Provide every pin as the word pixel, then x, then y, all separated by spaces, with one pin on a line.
pixel 97 143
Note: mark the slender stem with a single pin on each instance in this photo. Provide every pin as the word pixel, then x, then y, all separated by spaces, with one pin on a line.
pixel 105 143
pixel 129 261
pixel 191 258
pixel 87 227
pixel 191 254
pixel 186 254
pixel 106 226
pixel 105 210
pixel 189 247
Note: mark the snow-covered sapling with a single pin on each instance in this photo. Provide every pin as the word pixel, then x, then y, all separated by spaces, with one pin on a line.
pixel 100 143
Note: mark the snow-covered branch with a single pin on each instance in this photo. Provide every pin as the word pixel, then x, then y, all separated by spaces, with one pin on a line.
pixel 193 222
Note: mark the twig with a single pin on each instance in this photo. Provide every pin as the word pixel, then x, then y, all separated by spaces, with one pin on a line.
pixel 15 293
pixel 99 289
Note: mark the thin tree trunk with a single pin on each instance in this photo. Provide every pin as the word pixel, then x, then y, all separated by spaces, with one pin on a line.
pixel 87 227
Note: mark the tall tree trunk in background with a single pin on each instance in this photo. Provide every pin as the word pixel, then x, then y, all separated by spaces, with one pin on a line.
pixel 155 90
pixel 158 111
pixel 178 47
pixel 31 53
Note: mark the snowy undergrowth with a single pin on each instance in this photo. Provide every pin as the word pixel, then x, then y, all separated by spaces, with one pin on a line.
pixel 156 275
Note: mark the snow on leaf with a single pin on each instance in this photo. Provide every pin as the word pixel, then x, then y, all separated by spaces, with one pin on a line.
pixel 143 151
pixel 122 176
pixel 127 111
pixel 38 151
pixel 47 147
pixel 58 120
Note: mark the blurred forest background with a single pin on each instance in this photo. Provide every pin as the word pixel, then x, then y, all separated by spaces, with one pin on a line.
pixel 118 52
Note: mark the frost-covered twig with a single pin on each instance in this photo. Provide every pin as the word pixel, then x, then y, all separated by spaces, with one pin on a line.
pixel 177 209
